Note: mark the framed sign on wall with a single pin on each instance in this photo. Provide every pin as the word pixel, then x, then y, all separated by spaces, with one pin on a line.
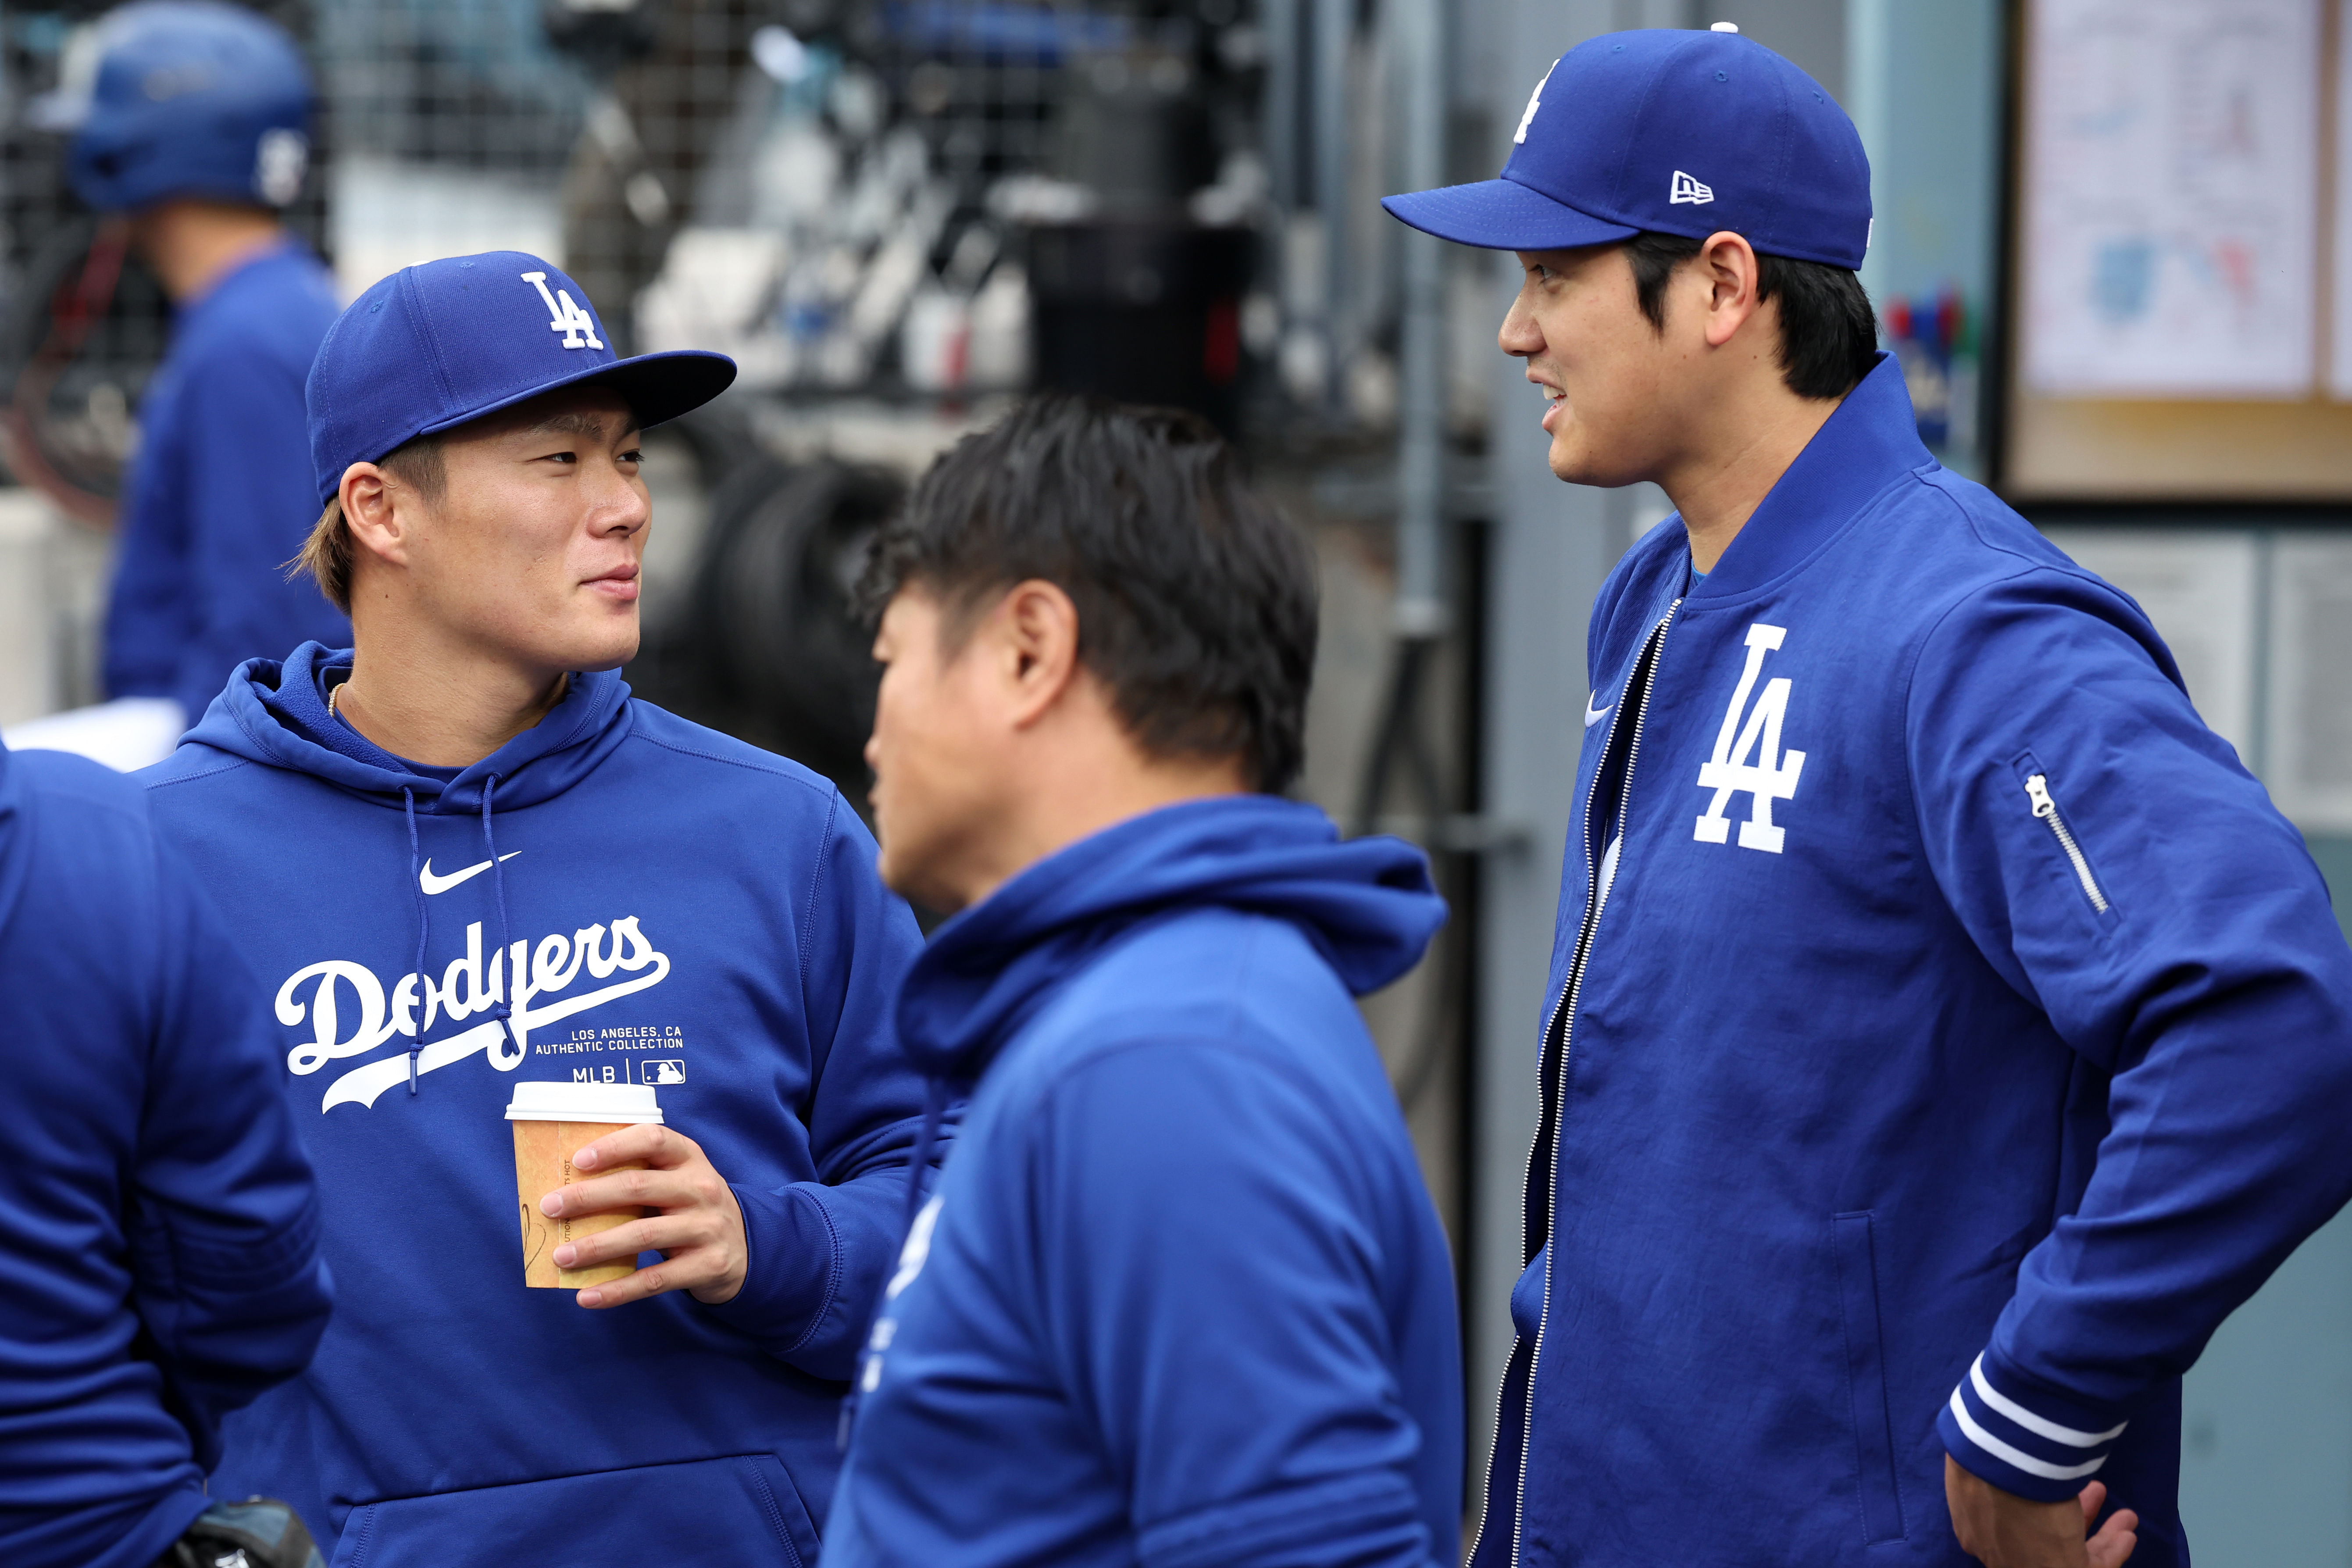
pixel 2182 253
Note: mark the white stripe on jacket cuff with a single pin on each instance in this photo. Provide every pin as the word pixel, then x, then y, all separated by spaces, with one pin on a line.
pixel 2019 1457
pixel 2018 1413
pixel 2000 1438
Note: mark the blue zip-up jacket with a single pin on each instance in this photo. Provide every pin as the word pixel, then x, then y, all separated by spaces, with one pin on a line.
pixel 221 496
pixel 159 1227
pixel 614 895
pixel 1180 1298
pixel 1962 1037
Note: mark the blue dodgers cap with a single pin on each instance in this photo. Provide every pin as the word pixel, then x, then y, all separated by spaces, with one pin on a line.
pixel 436 345
pixel 1674 133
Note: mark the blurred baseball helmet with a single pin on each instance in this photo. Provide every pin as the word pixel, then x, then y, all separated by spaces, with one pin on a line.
pixel 193 98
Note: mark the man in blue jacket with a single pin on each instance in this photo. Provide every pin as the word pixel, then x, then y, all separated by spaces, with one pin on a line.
pixel 1945 1033
pixel 460 854
pixel 198 129
pixel 159 1227
pixel 1180 1297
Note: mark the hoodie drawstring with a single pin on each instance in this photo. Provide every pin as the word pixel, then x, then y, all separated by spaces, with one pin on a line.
pixel 935 1105
pixel 501 1012
pixel 934 1111
pixel 424 925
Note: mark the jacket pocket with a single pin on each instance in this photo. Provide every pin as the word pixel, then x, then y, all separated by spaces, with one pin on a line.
pixel 1865 1371
pixel 702 1513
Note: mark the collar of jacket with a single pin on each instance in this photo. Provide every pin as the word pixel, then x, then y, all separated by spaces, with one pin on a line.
pixel 1871 442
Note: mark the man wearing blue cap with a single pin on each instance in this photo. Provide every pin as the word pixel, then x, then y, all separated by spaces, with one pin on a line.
pixel 197 127
pixel 1944 1033
pixel 465 862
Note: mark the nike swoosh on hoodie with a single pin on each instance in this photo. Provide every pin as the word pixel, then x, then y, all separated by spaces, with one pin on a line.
pixel 432 884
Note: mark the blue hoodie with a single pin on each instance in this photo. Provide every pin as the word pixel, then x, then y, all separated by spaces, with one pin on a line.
pixel 159 1227
pixel 1962 1036
pixel 1180 1298
pixel 694 914
pixel 221 496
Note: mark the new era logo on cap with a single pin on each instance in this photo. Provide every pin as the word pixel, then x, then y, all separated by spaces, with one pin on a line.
pixel 1607 145
pixel 1686 189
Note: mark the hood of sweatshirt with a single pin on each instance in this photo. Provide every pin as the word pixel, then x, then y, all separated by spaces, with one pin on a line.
pixel 1367 904
pixel 275 711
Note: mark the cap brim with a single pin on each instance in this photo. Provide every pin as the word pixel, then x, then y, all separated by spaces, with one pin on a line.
pixel 1503 215
pixel 657 387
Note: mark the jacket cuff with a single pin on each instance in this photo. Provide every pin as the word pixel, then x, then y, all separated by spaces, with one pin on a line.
pixel 2020 1437
pixel 792 1269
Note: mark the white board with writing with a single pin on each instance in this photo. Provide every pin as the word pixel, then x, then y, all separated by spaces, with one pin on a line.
pixel 2169 244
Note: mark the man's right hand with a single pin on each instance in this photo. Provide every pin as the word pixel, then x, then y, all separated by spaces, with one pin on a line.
pixel 2001 1529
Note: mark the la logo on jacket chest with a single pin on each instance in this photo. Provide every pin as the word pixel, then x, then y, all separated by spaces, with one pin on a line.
pixel 1748 758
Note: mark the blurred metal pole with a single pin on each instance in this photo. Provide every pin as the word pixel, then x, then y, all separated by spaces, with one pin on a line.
pixel 1335 26
pixel 1420 30
pixel 1284 77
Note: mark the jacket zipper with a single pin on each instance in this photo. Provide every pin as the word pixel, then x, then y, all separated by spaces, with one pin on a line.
pixel 1562 1020
pixel 2037 790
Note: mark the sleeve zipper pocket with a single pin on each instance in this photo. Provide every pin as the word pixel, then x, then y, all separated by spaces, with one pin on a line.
pixel 2037 790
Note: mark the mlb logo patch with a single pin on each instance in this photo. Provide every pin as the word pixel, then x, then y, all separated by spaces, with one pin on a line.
pixel 670 1070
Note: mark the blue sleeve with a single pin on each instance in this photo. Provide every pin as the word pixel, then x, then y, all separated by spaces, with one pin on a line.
pixel 2190 958
pixel 821 1250
pixel 251 504
pixel 147 614
pixel 1212 1300
pixel 224 1221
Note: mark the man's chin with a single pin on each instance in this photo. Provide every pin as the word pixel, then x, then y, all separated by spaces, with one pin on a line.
pixel 904 875
pixel 1577 463
pixel 605 650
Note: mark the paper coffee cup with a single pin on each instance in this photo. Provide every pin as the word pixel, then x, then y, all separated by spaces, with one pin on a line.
pixel 552 1122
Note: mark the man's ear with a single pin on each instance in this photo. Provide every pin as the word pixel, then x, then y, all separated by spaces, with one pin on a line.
pixel 1036 626
pixel 379 511
pixel 1727 264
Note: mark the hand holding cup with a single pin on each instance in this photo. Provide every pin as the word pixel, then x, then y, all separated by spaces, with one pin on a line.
pixel 689 1215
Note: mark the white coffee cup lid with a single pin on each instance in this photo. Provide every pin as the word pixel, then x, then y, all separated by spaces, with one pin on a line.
pixel 535 1102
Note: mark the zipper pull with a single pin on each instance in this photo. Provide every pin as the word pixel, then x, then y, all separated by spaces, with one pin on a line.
pixel 2037 790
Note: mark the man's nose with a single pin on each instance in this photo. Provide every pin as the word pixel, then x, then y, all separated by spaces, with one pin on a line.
pixel 1519 336
pixel 621 507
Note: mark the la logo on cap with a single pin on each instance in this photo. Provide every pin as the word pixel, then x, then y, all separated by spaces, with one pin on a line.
pixel 1535 102
pixel 579 328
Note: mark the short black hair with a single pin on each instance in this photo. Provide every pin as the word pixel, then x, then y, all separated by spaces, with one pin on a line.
pixel 1196 599
pixel 1829 335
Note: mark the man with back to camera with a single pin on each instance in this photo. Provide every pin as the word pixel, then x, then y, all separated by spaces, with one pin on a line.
pixel 460 854
pixel 1944 1033
pixel 159 1227
pixel 1180 1297
pixel 198 129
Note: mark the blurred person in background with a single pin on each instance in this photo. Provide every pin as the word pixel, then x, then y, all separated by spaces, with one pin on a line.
pixel 460 854
pixel 159 1226
pixel 1944 1032
pixel 198 130
pixel 1181 1296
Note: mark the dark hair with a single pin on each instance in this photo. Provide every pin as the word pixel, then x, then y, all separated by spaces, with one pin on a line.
pixel 1829 336
pixel 1196 599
